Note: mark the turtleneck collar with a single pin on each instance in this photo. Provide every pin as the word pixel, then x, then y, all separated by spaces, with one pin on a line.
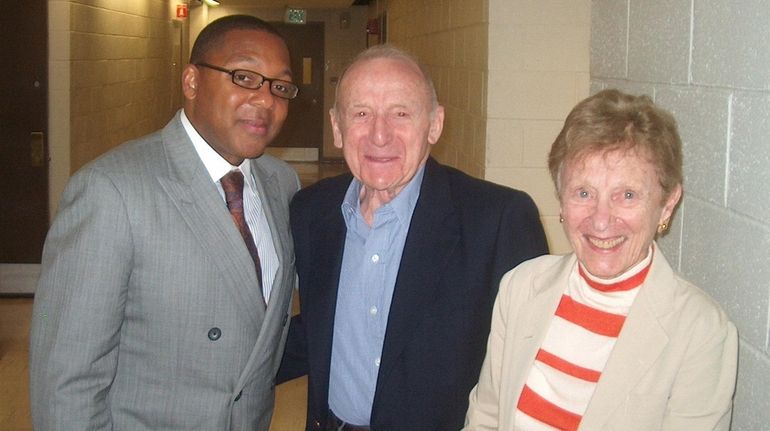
pixel 630 279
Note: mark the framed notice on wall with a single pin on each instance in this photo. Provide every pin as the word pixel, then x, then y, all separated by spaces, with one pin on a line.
pixel 376 30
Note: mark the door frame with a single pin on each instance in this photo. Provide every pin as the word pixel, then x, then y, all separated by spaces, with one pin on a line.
pixel 21 278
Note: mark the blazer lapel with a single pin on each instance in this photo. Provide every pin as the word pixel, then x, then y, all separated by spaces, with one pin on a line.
pixel 532 323
pixel 190 189
pixel 640 343
pixel 327 243
pixel 433 235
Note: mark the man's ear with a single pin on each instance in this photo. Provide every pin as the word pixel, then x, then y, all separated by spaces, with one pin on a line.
pixel 436 125
pixel 336 132
pixel 190 81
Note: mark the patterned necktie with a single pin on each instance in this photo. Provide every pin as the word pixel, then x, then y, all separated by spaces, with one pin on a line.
pixel 232 184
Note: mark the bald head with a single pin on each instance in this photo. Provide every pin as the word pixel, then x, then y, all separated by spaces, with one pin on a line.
pixel 388 52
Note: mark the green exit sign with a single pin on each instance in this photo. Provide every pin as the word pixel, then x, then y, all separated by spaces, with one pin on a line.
pixel 295 16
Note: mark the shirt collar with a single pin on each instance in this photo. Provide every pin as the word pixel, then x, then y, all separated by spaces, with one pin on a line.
pixel 402 205
pixel 215 164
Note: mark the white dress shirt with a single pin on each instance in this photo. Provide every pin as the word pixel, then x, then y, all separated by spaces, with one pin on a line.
pixel 218 167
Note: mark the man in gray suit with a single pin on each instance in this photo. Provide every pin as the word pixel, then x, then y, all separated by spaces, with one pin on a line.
pixel 153 312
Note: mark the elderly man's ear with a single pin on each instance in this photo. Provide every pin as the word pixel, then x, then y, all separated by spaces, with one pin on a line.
pixel 335 128
pixel 436 125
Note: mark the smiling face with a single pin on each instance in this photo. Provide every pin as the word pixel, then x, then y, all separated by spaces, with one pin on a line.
pixel 236 122
pixel 612 203
pixel 384 124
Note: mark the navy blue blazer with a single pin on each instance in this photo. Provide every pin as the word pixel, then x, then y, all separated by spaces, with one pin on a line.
pixel 464 235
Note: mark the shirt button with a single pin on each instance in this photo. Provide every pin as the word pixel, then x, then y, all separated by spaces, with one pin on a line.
pixel 377 362
pixel 214 334
pixel 375 258
pixel 373 310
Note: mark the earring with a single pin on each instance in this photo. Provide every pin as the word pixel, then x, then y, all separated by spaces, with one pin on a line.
pixel 561 219
pixel 662 227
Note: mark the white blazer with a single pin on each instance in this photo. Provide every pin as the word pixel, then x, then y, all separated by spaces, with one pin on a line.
pixel 673 367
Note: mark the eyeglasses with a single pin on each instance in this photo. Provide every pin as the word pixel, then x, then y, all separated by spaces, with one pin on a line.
pixel 253 81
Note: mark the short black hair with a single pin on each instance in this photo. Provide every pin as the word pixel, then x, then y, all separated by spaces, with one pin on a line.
pixel 211 35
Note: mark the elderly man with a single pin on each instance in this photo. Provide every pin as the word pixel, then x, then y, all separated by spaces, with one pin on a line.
pixel 167 275
pixel 398 264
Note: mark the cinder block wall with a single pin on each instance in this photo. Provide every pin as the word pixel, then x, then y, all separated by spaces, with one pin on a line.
pixel 709 64
pixel 113 76
pixel 538 70
pixel 121 75
pixel 450 39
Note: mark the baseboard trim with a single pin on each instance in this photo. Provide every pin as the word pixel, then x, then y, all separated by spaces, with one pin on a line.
pixel 18 278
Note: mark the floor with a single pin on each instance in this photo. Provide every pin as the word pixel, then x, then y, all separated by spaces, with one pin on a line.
pixel 15 316
pixel 14 395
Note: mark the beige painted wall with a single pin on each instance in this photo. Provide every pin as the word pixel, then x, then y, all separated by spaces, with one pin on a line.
pixel 112 78
pixel 538 70
pixel 121 77
pixel 450 39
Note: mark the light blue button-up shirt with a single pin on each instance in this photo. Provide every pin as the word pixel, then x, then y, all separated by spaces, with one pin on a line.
pixel 369 268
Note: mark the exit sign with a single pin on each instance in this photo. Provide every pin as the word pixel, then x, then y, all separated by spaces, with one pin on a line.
pixel 295 16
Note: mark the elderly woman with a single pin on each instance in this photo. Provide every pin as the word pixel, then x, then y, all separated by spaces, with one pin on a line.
pixel 608 337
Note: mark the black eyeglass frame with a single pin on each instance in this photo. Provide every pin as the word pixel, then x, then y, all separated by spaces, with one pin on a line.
pixel 292 87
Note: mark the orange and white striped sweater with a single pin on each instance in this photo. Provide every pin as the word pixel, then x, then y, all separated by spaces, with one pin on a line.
pixel 576 348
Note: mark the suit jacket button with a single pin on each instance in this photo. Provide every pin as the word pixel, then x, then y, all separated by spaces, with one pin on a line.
pixel 214 334
pixel 317 424
pixel 238 397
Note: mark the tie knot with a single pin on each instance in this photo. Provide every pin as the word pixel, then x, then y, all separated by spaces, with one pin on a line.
pixel 232 184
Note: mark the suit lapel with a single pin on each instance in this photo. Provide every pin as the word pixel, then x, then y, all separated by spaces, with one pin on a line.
pixel 433 235
pixel 190 189
pixel 639 345
pixel 327 241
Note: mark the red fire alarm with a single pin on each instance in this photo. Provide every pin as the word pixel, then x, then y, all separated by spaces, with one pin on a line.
pixel 181 11
pixel 373 26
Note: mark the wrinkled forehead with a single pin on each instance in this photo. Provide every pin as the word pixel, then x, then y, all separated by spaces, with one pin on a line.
pixel 383 71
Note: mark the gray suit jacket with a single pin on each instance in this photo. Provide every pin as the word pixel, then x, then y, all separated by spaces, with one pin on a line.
pixel 148 315
pixel 672 368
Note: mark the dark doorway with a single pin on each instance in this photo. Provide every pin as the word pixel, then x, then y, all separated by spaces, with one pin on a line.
pixel 304 125
pixel 23 131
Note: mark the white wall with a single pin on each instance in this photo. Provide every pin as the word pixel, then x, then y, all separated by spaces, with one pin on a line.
pixel 708 62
